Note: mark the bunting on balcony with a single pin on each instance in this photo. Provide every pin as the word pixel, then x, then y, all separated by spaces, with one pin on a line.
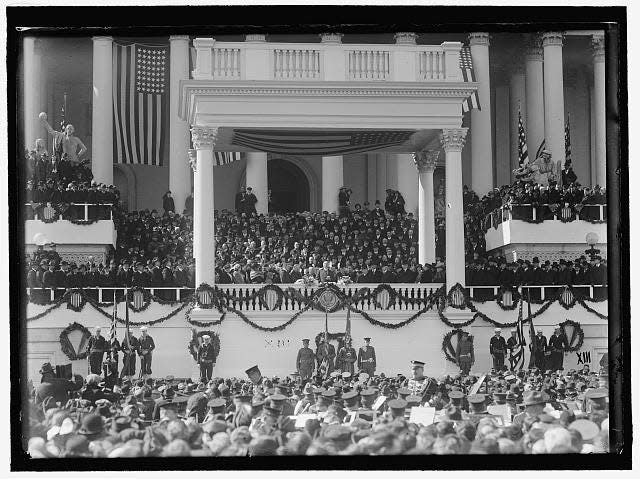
pixel 466 65
pixel 319 142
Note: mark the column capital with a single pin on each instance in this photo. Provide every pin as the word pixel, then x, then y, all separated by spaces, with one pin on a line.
pixel 255 38
pixel 405 38
pixel 426 161
pixel 552 39
pixel 204 137
pixel 479 38
pixel 102 38
pixel 452 139
pixel 192 157
pixel 178 38
pixel 333 38
pixel 597 48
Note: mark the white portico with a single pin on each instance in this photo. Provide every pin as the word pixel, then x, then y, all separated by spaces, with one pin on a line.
pixel 287 91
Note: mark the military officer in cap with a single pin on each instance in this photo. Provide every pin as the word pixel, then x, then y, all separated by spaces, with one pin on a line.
pixel 498 349
pixel 206 357
pixel 305 362
pixel 557 346
pixel 367 358
pixel 325 356
pixel 96 348
pixel 346 357
pixel 464 353
pixel 145 351
pixel 419 384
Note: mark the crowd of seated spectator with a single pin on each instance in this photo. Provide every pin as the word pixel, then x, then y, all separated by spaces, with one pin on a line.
pixel 552 412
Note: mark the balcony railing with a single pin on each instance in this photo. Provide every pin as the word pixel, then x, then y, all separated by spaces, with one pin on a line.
pixel 407 298
pixel 542 212
pixel 75 211
pixel 216 60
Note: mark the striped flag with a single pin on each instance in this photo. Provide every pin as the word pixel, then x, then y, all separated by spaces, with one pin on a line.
pixel 113 331
pixel 519 355
pixel 541 148
pixel 139 103
pixel 221 158
pixel 567 141
pixel 532 333
pixel 318 142
pixel 466 65
pixel 523 154
pixel 347 332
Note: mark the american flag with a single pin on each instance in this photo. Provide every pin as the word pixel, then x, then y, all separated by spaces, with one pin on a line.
pixel 221 158
pixel 466 65
pixel 523 154
pixel 139 103
pixel 532 333
pixel 519 355
pixel 319 142
pixel 567 142
pixel 113 332
pixel 542 146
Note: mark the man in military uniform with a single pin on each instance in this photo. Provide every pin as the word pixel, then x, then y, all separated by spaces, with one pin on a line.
pixel 206 357
pixel 419 384
pixel 325 356
pixel 514 349
pixel 146 349
pixel 129 348
pixel 497 349
pixel 305 362
pixel 346 357
pixel 557 346
pixel 464 353
pixel 367 358
pixel 97 347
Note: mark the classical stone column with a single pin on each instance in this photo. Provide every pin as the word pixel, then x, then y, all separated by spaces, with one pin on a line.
pixel 535 95
pixel 179 172
pixel 517 101
pixel 204 251
pixel 553 96
pixel 426 163
pixel 452 141
pixel 407 181
pixel 31 96
pixel 599 97
pixel 481 141
pixel 332 179
pixel 258 180
pixel 102 111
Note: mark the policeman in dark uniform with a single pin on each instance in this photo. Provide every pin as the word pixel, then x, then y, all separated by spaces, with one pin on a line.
pixel 97 347
pixel 305 362
pixel 145 351
pixel 498 349
pixel 206 357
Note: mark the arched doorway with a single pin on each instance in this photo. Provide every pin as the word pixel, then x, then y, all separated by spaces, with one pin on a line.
pixel 289 187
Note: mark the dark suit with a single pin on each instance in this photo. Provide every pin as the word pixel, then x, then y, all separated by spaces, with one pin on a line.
pixel 497 349
pixel 557 344
pixel 205 360
pixel 97 347
pixel 146 343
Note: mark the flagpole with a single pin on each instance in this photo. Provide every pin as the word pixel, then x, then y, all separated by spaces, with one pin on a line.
pixel 126 321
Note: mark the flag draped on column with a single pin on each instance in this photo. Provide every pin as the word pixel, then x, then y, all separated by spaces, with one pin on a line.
pixel 523 154
pixel 468 75
pixel 567 141
pixel 140 110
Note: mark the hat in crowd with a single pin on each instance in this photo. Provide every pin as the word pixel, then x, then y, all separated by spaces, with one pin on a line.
pixel 91 424
pixel 477 403
pixel 587 429
pixel 417 364
pixel 531 398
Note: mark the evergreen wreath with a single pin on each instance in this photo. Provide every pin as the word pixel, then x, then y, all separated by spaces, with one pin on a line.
pixel 194 343
pixel 67 347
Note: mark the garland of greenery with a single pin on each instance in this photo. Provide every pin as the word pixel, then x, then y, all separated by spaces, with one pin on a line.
pixel 67 347
pixel 447 347
pixel 194 344
pixel 263 328
pixel 578 333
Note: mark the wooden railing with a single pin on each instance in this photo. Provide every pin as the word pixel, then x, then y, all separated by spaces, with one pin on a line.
pixel 48 212
pixel 407 299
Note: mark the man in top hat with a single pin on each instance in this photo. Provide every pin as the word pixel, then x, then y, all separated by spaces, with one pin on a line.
pixel 145 351
pixel 346 357
pixel 556 347
pixel 464 353
pixel 498 349
pixel 305 362
pixel 367 358
pixel 538 349
pixel 206 357
pixel 96 349
pixel 419 384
